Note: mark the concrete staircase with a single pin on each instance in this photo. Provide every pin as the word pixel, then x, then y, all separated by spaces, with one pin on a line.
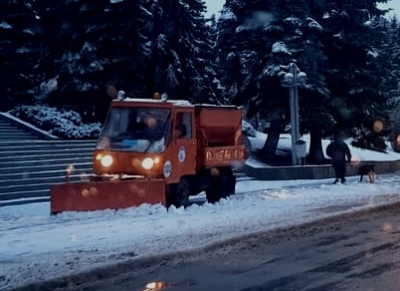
pixel 30 165
pixel 8 131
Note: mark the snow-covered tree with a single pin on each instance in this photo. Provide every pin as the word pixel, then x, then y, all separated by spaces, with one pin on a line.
pixel 257 41
pixel 96 44
pixel 181 64
pixel 391 55
pixel 336 43
pixel 359 72
pixel 21 48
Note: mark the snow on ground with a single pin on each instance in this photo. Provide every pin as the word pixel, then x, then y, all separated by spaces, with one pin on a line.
pixel 35 246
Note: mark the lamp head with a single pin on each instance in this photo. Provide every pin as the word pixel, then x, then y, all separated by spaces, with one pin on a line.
pixel 288 79
pixel 302 77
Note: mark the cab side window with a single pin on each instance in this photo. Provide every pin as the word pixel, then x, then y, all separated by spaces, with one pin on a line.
pixel 183 126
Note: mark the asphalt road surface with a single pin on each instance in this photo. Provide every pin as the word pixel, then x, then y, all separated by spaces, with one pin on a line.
pixel 358 251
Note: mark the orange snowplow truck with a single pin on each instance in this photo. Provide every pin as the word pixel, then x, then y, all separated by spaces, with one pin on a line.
pixel 158 151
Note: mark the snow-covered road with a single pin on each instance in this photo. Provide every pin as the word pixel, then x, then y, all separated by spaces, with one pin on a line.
pixel 35 246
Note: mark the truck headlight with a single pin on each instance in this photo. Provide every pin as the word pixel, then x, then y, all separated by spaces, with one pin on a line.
pixel 148 163
pixel 106 161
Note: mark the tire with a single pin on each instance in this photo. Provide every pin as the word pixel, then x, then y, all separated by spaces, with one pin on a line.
pixel 230 184
pixel 213 191
pixel 182 193
pixel 171 195
pixel 227 185
pixel 222 186
pixel 178 194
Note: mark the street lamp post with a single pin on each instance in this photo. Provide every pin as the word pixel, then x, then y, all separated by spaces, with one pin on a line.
pixel 293 79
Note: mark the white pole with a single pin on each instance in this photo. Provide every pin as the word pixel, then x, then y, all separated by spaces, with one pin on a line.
pixel 293 124
pixel 294 113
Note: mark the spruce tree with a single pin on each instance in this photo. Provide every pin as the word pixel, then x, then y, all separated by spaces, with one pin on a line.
pixel 258 40
pixel 95 45
pixel 357 72
pixel 180 63
pixel 392 56
pixel 22 46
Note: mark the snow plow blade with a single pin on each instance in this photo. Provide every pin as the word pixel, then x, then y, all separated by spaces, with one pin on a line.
pixel 100 195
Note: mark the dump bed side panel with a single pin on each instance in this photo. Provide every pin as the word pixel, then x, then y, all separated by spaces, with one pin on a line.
pixel 218 125
pixel 219 135
pixel 224 156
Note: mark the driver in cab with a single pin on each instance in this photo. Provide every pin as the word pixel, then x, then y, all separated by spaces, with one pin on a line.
pixel 153 130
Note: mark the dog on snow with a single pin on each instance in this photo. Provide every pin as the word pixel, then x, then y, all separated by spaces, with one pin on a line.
pixel 367 170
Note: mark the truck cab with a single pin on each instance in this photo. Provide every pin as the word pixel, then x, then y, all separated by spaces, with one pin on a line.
pixel 147 139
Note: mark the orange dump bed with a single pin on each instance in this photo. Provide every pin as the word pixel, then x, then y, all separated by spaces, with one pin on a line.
pixel 220 125
pixel 219 135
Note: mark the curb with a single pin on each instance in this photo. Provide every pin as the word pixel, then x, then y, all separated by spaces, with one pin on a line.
pixel 309 172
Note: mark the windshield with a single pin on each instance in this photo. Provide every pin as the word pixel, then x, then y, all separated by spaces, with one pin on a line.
pixel 139 129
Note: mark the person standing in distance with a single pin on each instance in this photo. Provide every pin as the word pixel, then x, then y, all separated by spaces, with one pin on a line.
pixel 339 153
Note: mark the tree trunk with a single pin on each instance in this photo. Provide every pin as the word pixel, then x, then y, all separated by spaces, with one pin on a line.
pixel 267 152
pixel 316 154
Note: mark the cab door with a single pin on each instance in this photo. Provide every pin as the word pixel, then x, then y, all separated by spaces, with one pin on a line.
pixel 183 145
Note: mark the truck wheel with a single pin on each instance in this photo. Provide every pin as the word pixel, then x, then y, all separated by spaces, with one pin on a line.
pixel 227 185
pixel 222 186
pixel 182 194
pixel 178 194
pixel 171 195
pixel 213 193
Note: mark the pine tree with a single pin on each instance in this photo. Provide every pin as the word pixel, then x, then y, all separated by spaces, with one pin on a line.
pixel 21 39
pixel 257 41
pixel 181 63
pixel 335 43
pixel 96 44
pixel 6 49
pixel 357 72
pixel 392 56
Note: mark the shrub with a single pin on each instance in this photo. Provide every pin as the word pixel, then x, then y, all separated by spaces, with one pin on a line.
pixel 65 124
pixel 367 139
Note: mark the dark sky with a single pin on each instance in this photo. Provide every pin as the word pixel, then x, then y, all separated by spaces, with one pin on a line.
pixel 214 6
